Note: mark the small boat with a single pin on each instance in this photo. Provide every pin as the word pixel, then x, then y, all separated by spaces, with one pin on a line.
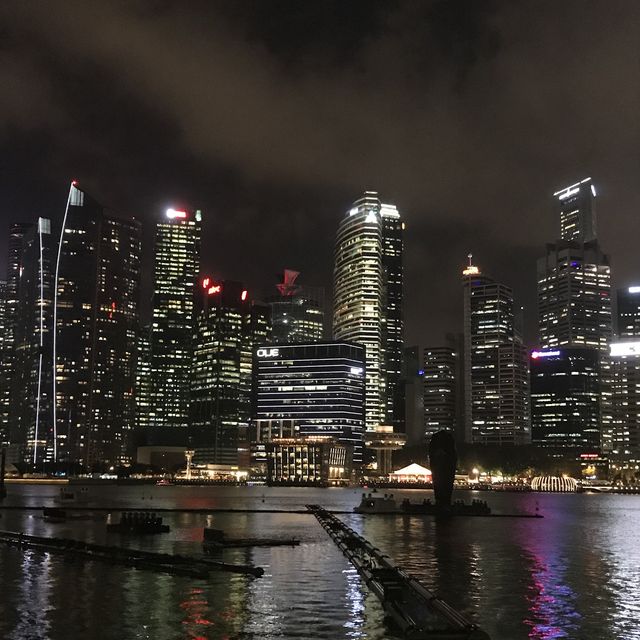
pixel 377 504
pixel 164 483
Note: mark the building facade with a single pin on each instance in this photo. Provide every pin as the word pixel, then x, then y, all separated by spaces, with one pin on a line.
pixel 228 327
pixel 628 313
pixel 17 232
pixel 309 390
pixel 623 435
pixel 441 366
pixel 97 280
pixel 367 293
pixel 565 398
pixel 574 296
pixel 308 461
pixel 496 368
pixel 576 206
pixel 177 266
pixel 297 314
pixel 31 397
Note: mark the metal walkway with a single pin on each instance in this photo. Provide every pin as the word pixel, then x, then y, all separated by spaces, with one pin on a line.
pixel 415 611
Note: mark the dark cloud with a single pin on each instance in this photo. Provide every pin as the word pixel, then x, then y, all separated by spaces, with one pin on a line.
pixel 272 116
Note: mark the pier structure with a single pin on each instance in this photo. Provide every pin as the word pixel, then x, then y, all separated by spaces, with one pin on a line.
pixel 416 612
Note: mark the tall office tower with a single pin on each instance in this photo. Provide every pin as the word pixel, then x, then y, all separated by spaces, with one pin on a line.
pixel 577 207
pixel 95 318
pixel 309 390
pixel 496 371
pixel 574 296
pixel 413 390
pixel 31 399
pixel 17 232
pixel 368 282
pixel 228 327
pixel 4 403
pixel 622 437
pixel 443 387
pixel 143 391
pixel 177 264
pixel 565 398
pixel 297 314
pixel 628 317
pixel 574 311
pixel 393 336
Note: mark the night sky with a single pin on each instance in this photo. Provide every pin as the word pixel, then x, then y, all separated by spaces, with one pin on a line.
pixel 273 116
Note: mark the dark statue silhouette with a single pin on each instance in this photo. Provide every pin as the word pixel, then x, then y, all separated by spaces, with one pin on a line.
pixel 443 459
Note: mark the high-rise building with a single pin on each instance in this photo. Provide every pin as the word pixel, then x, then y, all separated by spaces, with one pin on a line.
pixel 443 387
pixel 97 276
pixel 144 391
pixel 228 327
pixel 413 391
pixel 367 292
pixel 577 208
pixel 628 316
pixel 309 390
pixel 574 296
pixel 393 336
pixel 565 398
pixel 297 314
pixel 575 320
pixel 177 264
pixel 17 232
pixel 4 402
pixel 31 400
pixel 496 371
pixel 623 435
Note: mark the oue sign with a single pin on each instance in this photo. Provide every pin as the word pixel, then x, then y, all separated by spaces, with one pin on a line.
pixel 268 353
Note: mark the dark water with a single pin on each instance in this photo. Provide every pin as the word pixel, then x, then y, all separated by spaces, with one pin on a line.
pixel 574 574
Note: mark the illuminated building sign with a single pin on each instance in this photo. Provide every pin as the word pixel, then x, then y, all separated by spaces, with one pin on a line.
pixel 356 371
pixel 217 288
pixel 243 295
pixel 471 271
pixel 544 354
pixel 625 348
pixel 268 353
pixel 568 192
pixel 173 213
pixel 205 283
pixel 634 289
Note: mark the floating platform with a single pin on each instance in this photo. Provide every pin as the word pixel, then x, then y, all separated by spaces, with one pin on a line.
pixel 138 523
pixel 215 539
pixel 415 611
pixel 195 567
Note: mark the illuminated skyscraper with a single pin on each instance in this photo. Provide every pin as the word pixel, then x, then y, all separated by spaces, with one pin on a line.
pixel 496 372
pixel 393 336
pixel 177 264
pixel 17 232
pixel 443 387
pixel 228 327
pixel 565 398
pixel 574 296
pixel 4 402
pixel 577 207
pixel 367 306
pixel 574 320
pixel 97 279
pixel 628 318
pixel 144 378
pixel 297 314
pixel 31 405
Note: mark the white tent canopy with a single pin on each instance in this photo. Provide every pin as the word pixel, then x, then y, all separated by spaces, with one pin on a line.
pixel 412 470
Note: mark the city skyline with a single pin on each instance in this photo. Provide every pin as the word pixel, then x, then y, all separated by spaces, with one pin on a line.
pixel 456 158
